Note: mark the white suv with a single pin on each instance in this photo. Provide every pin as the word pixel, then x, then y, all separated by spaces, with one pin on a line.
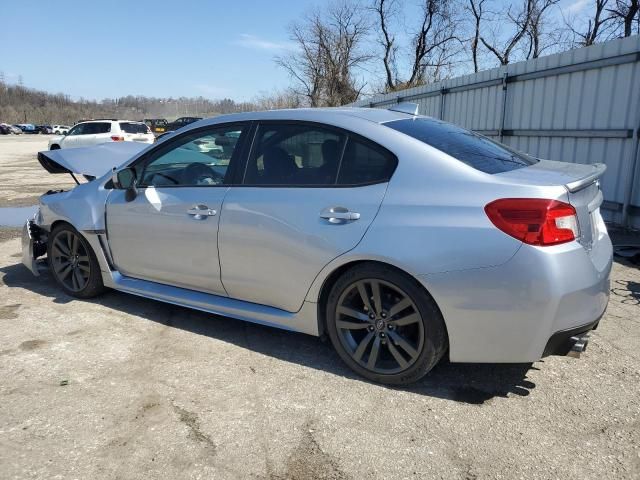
pixel 59 129
pixel 95 132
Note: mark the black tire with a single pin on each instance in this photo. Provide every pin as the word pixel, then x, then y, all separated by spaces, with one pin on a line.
pixel 84 266
pixel 425 337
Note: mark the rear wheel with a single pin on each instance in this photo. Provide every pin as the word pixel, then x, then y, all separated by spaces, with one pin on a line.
pixel 73 263
pixel 384 325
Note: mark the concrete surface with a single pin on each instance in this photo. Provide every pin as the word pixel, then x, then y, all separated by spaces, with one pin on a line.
pixel 126 388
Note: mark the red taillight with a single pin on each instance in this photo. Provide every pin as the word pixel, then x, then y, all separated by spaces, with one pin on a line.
pixel 535 221
pixel 117 138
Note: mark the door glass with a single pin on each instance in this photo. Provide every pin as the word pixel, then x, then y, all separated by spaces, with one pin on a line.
pixel 295 155
pixel 197 159
pixel 364 163
pixel 78 130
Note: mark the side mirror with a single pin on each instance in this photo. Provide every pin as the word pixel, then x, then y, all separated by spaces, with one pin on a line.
pixel 125 179
pixel 64 134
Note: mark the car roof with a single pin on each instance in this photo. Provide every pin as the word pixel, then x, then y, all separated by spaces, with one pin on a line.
pixel 98 120
pixel 375 115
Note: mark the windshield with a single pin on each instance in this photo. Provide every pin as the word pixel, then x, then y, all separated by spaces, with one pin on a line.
pixel 475 150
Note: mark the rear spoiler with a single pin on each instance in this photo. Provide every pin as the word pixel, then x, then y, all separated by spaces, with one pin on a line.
pixel 598 171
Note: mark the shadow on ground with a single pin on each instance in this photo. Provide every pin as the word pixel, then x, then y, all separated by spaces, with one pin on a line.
pixel 467 383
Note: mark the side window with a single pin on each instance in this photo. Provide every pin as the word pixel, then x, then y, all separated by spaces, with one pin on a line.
pixel 294 155
pixel 196 159
pixel 102 127
pixel 365 163
pixel 78 129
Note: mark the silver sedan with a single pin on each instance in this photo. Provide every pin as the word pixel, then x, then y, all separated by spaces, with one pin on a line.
pixel 400 237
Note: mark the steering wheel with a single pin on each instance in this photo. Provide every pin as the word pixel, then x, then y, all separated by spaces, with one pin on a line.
pixel 200 174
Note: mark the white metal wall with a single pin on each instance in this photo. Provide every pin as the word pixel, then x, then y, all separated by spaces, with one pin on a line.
pixel 578 106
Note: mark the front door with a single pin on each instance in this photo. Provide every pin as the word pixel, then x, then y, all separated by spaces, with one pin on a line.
pixel 308 194
pixel 169 232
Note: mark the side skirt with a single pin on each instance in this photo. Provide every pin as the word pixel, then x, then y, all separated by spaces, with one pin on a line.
pixel 303 321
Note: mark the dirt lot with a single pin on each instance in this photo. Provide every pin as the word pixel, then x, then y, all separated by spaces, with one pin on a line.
pixel 123 387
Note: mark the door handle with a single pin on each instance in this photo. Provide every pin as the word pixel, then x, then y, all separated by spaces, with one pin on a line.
pixel 339 215
pixel 200 212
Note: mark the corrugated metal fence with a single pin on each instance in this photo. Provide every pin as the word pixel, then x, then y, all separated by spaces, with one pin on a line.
pixel 578 106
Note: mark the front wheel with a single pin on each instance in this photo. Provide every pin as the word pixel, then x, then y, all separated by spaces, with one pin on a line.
pixel 384 325
pixel 73 263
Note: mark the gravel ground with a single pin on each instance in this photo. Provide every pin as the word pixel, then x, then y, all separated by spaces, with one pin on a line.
pixel 124 387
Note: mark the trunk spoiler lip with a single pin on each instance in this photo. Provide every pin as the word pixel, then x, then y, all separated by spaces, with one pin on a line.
pixel 599 169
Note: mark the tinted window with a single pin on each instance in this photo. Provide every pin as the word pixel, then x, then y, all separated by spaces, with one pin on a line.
pixel 95 128
pixel 365 163
pixel 475 150
pixel 78 129
pixel 288 154
pixel 129 127
pixel 196 159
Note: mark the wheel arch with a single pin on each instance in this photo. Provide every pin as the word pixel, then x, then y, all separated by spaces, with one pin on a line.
pixel 337 272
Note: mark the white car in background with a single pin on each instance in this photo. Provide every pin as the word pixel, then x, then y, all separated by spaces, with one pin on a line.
pixel 60 129
pixel 95 132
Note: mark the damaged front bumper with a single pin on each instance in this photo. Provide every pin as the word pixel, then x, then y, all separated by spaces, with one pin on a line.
pixel 34 244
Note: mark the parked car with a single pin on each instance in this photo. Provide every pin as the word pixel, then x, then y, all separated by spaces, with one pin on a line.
pixel 401 237
pixel 28 128
pixel 44 129
pixel 156 125
pixel 5 129
pixel 95 132
pixel 60 129
pixel 15 130
pixel 180 122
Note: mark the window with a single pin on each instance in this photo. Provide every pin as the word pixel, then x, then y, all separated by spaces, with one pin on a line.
pixel 365 163
pixel 294 154
pixel 196 159
pixel 78 129
pixel 130 127
pixel 97 127
pixel 475 150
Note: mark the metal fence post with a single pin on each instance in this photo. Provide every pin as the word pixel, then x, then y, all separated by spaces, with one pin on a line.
pixel 443 92
pixel 504 106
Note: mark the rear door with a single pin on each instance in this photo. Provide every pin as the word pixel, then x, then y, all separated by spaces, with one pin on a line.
pixel 307 194
pixel 136 132
pixel 169 232
pixel 100 132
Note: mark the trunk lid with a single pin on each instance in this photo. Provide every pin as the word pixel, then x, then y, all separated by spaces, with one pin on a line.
pixel 583 190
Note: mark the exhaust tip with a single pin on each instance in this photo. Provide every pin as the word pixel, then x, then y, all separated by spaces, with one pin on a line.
pixel 578 345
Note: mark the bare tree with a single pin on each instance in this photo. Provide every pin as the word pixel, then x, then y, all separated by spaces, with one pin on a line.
pixel 625 13
pixel 520 20
pixel 595 27
pixel 434 43
pixel 535 31
pixel 476 8
pixel 330 51
pixel 384 9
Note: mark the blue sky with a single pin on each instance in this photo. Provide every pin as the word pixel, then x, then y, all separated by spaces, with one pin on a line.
pixel 155 48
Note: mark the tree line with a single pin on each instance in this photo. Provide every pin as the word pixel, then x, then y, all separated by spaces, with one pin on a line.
pixel 20 104
pixel 350 47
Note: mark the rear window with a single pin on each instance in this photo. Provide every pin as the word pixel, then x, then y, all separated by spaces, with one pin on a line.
pixel 475 150
pixel 129 127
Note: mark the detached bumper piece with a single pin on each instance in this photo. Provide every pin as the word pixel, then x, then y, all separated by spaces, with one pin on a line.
pixel 570 342
pixel 34 245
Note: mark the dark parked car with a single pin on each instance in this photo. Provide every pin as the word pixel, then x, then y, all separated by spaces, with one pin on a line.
pixel 181 122
pixel 157 125
pixel 5 129
pixel 27 128
pixel 44 129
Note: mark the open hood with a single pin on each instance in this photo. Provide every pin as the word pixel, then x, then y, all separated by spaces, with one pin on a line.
pixel 92 161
